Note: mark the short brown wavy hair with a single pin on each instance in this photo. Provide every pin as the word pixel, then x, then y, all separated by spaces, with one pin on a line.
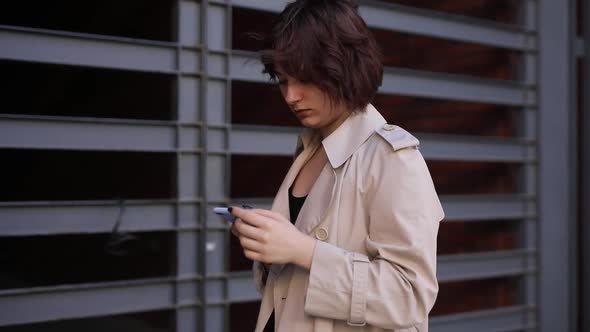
pixel 327 43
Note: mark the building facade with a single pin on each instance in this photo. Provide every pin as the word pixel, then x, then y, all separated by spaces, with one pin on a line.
pixel 123 124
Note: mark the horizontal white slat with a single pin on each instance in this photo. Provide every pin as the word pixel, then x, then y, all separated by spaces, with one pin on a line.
pixel 488 207
pixel 50 134
pixel 424 22
pixel 79 301
pixel 495 320
pixel 264 140
pixel 96 51
pixel 485 265
pixel 459 207
pixel 22 219
pixel 245 66
pixel 455 87
pixel 450 268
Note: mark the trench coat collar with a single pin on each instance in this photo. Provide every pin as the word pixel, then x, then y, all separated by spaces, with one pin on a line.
pixel 347 138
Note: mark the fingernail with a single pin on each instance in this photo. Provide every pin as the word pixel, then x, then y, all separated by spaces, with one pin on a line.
pixel 230 209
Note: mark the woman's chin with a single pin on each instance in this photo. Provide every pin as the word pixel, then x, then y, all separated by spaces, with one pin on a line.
pixel 309 123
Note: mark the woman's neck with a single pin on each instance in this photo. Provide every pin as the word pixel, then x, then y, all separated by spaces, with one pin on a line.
pixel 327 130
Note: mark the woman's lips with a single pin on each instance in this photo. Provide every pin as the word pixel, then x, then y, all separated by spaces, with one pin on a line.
pixel 303 113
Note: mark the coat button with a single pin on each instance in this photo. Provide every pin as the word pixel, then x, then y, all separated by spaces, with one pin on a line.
pixel 389 127
pixel 321 234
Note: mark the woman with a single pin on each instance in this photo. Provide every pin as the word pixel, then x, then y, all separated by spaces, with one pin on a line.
pixel 350 242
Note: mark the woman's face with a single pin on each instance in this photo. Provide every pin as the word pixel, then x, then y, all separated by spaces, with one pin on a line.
pixel 311 105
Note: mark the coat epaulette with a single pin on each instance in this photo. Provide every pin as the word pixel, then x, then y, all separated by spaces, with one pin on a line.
pixel 398 137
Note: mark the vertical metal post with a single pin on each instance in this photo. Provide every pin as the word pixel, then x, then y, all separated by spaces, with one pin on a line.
pixel 204 158
pixel 216 162
pixel 573 170
pixel 529 180
pixel 178 319
pixel 227 185
pixel 557 278
pixel 188 166
pixel 585 164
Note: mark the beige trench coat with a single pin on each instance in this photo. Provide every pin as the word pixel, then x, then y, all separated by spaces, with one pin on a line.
pixel 375 214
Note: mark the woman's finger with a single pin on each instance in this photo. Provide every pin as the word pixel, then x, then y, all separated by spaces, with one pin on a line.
pixel 268 213
pixel 252 255
pixel 247 230
pixel 275 216
pixel 234 231
pixel 251 217
pixel 235 227
pixel 250 244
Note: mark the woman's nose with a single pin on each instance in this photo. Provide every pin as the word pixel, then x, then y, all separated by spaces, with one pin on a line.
pixel 293 94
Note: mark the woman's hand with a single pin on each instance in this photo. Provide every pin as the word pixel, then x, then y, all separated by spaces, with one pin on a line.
pixel 268 237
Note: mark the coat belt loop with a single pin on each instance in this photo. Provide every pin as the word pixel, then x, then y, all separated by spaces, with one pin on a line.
pixel 360 279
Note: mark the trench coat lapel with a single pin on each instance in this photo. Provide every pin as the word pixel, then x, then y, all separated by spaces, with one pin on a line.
pixel 339 146
pixel 281 201
pixel 318 201
pixel 310 139
pixel 319 196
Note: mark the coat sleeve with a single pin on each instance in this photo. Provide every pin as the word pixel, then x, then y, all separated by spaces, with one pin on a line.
pixel 394 286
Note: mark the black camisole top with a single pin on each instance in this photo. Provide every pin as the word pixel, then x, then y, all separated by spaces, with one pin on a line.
pixel 295 204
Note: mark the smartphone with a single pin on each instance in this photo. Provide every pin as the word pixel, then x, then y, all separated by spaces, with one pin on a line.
pixel 224 212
